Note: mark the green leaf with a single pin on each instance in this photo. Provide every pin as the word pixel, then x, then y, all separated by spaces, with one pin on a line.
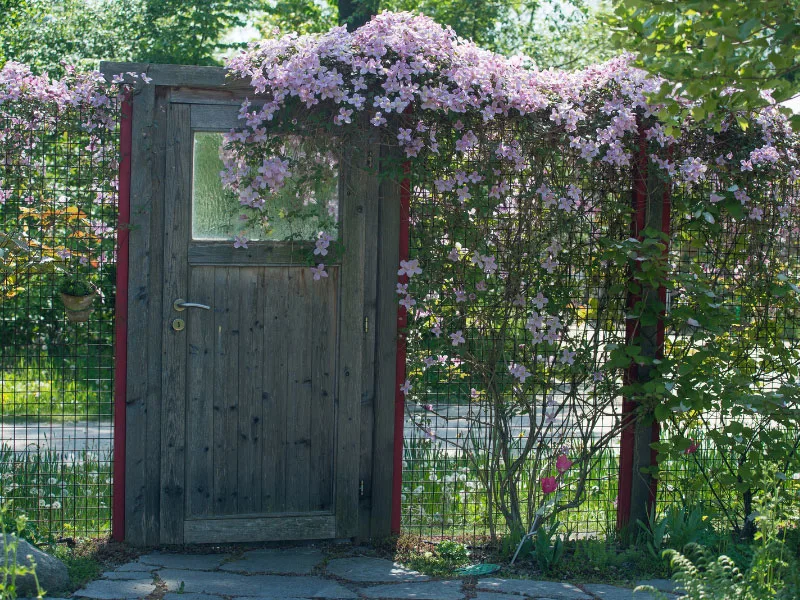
pixel 747 28
pixel 734 207
pixel 743 122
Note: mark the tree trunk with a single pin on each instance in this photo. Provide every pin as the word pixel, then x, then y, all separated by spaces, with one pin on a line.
pixel 355 13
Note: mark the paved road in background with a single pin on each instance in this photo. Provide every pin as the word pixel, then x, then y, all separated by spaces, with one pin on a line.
pixel 67 438
pixel 455 423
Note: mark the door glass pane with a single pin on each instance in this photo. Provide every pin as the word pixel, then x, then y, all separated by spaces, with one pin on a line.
pixel 306 205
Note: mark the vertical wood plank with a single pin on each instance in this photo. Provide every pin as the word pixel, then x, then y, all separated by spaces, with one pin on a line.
pixel 275 396
pixel 155 324
pixel 386 352
pixel 351 330
pixel 143 495
pixel 251 358
pixel 226 388
pixel 298 409
pixel 370 201
pixel 147 174
pixel 323 350
pixel 200 416
pixel 173 386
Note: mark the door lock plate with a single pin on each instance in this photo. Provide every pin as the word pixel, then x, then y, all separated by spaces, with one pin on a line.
pixel 178 324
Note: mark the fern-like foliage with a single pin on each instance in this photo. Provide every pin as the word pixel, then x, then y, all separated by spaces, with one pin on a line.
pixel 700 575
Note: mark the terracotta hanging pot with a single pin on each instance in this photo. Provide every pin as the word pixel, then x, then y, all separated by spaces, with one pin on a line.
pixel 78 307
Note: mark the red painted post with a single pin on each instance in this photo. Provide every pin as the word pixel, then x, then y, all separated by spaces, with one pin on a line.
pixel 400 371
pixel 628 438
pixel 626 444
pixel 121 316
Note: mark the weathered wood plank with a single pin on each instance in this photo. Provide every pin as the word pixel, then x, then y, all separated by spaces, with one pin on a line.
pixel 216 97
pixel 386 354
pixel 324 310
pixel 216 117
pixel 155 325
pixel 351 340
pixel 275 395
pixel 145 158
pixel 256 254
pixel 226 389
pixel 251 359
pixel 172 75
pixel 200 412
pixel 173 385
pixel 371 147
pixel 298 400
pixel 262 529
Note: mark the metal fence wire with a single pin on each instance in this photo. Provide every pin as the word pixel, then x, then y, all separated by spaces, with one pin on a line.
pixel 58 220
pixel 466 424
pixel 471 429
pixel 745 261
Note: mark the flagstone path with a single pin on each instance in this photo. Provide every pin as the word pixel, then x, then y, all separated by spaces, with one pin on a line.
pixel 306 572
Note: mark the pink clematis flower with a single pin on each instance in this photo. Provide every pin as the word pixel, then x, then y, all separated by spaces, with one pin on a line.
pixel 319 272
pixel 409 267
pixel 457 337
pixel 692 447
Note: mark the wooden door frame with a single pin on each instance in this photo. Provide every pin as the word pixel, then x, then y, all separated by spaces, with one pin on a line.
pixel 140 499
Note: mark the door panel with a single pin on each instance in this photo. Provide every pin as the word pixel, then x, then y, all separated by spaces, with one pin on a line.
pixel 262 365
pixel 265 386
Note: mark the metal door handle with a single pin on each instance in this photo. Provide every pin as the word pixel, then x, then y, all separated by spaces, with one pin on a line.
pixel 181 304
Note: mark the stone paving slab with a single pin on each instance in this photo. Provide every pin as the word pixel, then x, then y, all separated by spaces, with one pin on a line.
pixel 496 596
pixel 189 596
pixel 199 562
pixel 135 566
pixel 232 584
pixel 425 590
pixel 103 589
pixel 121 575
pixel 371 570
pixel 298 561
pixel 613 592
pixel 663 585
pixel 535 589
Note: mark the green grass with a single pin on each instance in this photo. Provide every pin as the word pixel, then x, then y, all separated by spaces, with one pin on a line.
pixel 60 498
pixel 41 387
pixel 443 492
pixel 583 560
pixel 443 495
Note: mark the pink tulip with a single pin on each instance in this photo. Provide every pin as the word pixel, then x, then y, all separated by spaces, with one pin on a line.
pixel 563 464
pixel 549 485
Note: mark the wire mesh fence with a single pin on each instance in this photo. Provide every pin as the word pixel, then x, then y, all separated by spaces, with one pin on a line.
pixel 474 430
pixel 522 293
pixel 468 424
pixel 743 260
pixel 57 233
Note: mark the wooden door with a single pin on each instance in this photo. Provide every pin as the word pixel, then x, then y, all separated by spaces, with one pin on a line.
pixel 262 390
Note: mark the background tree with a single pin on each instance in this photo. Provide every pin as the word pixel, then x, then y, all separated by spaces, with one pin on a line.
pixel 552 33
pixel 46 34
pixel 301 16
pixel 187 32
pixel 729 54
